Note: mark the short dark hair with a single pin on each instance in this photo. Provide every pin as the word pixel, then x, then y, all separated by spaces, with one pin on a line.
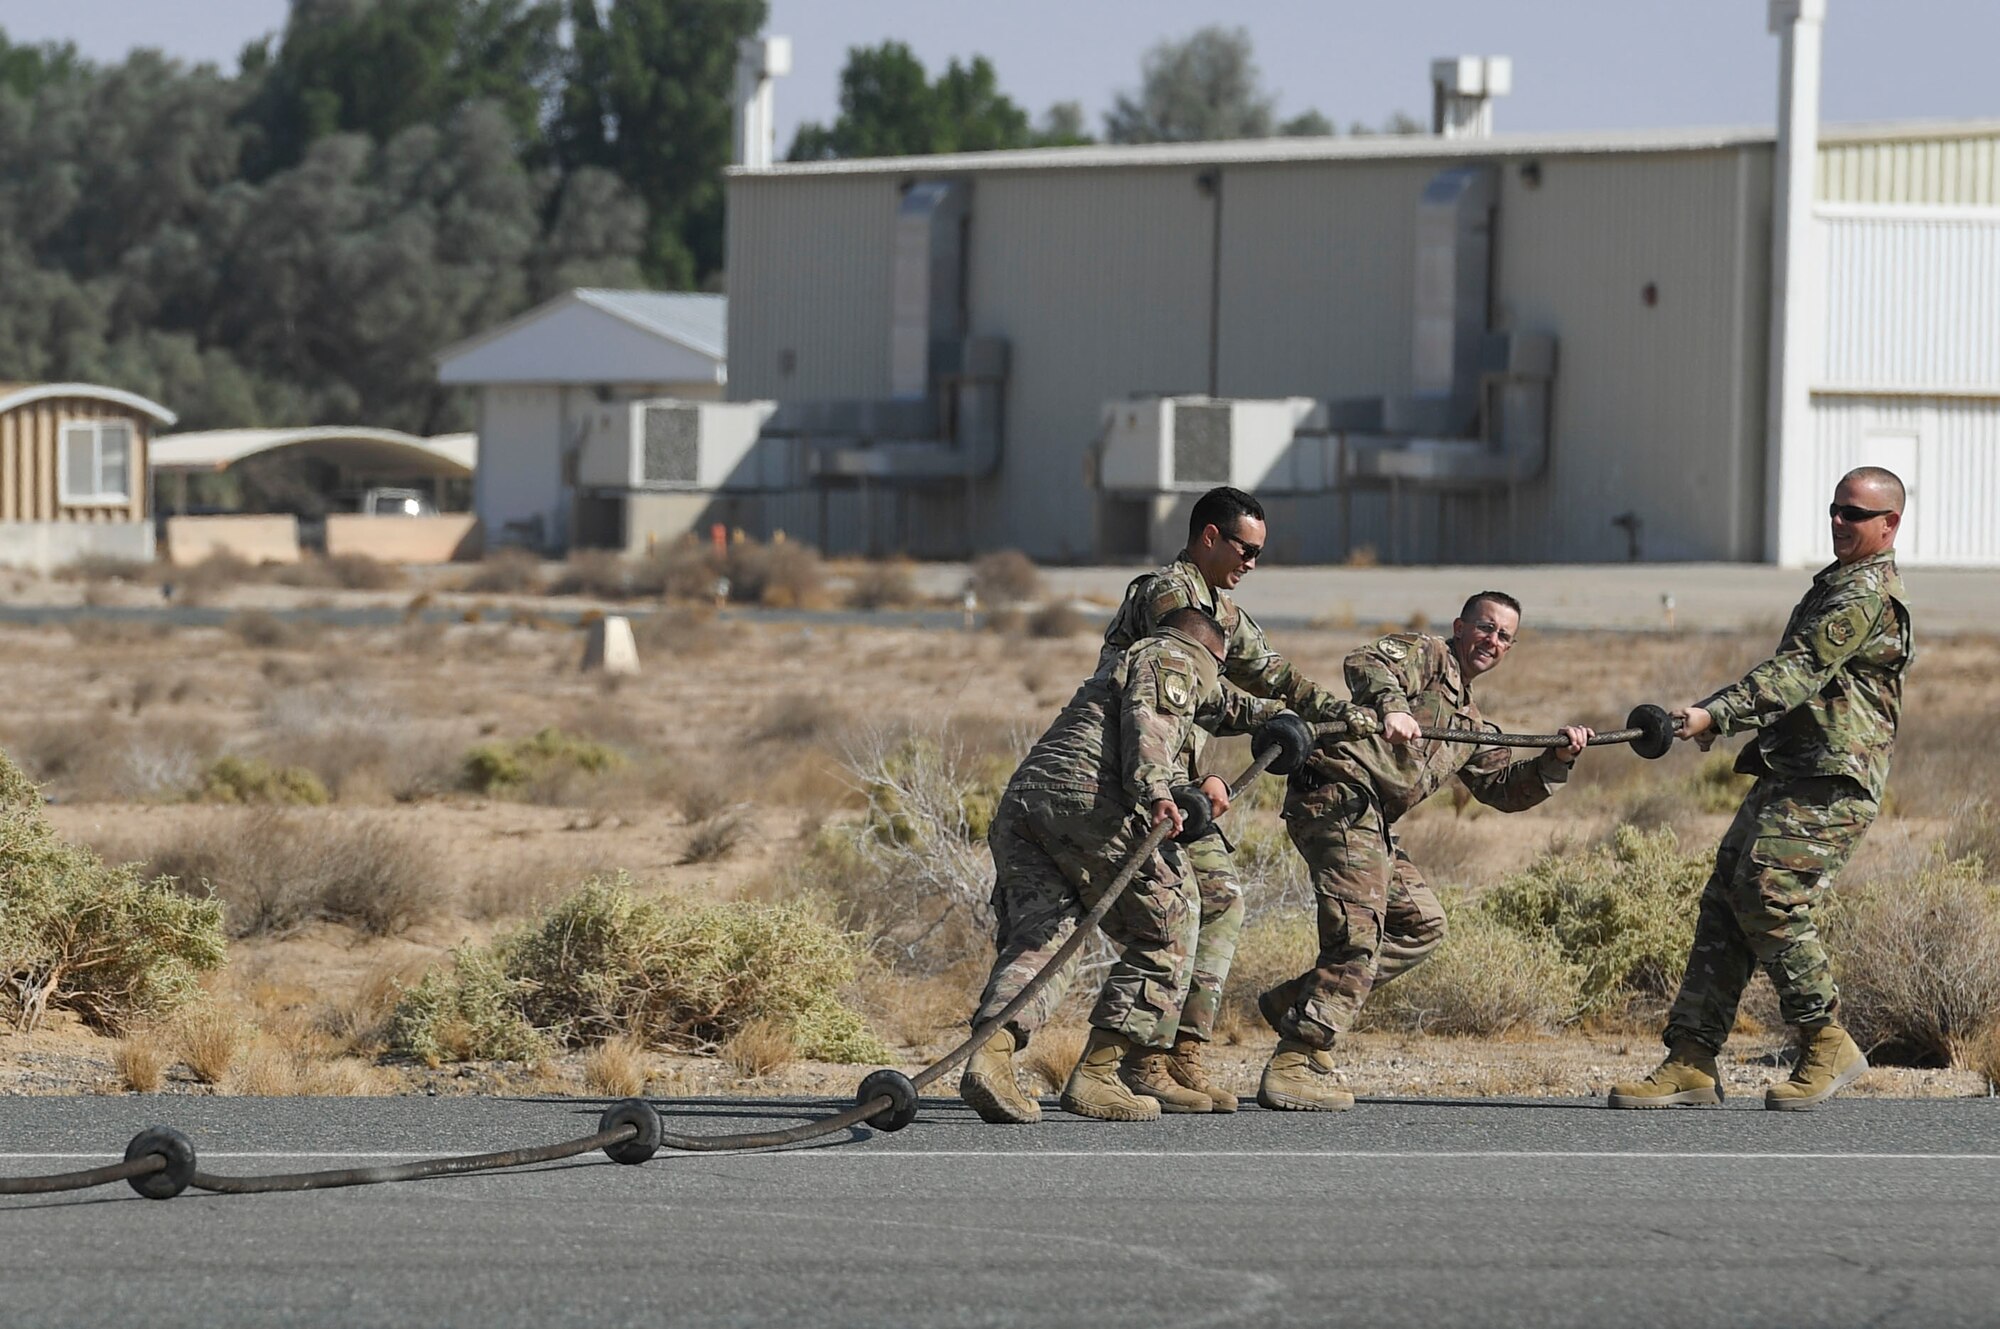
pixel 1222 507
pixel 1471 606
pixel 1199 624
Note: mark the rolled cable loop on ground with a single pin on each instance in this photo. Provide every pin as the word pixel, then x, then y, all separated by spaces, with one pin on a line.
pixel 160 1162
pixel 1649 729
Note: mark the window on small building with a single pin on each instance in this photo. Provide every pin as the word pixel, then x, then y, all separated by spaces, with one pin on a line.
pixel 96 462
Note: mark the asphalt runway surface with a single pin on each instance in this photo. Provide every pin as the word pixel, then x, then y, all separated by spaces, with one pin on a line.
pixel 1400 1212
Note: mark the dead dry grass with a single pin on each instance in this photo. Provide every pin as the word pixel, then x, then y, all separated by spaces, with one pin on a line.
pixel 1053 1054
pixel 140 1062
pixel 760 1048
pixel 616 1068
pixel 208 1041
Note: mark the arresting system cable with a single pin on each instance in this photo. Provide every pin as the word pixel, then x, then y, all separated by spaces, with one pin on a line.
pixel 160 1162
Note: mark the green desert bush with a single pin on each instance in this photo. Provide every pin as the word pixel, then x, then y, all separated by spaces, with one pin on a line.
pixel 605 964
pixel 1918 961
pixel 536 765
pixel 1623 913
pixel 1487 978
pixel 234 779
pixel 82 935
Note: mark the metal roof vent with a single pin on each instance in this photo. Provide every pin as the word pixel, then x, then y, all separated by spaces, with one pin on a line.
pixel 1462 91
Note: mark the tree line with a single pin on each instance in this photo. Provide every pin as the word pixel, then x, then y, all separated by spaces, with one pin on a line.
pixel 291 242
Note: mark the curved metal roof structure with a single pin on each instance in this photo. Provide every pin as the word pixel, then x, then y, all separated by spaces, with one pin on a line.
pixel 21 394
pixel 386 452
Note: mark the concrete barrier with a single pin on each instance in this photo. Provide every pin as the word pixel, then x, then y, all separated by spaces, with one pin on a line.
pixel 254 539
pixel 441 539
pixel 44 546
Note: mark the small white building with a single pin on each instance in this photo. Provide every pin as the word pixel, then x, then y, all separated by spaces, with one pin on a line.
pixel 552 382
pixel 72 473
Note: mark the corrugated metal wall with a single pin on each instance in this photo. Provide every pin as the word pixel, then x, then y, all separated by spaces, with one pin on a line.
pixel 1943 169
pixel 1946 449
pixel 1658 406
pixel 1100 282
pixel 1912 299
pixel 809 286
pixel 30 489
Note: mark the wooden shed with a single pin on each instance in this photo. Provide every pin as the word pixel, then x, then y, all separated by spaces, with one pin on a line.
pixel 73 473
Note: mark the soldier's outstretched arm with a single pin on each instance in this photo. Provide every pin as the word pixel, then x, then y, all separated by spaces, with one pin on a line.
pixel 1156 710
pixel 1514 786
pixel 1812 651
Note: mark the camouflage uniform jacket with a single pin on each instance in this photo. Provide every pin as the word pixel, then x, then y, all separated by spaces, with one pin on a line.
pixel 1827 702
pixel 1132 733
pixel 1249 661
pixel 1419 674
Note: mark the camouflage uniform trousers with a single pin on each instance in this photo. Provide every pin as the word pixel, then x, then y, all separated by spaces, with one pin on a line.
pixel 1053 852
pixel 1221 929
pixel 1761 903
pixel 1377 918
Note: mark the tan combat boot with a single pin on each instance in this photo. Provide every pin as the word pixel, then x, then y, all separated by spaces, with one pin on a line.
pixel 988 1084
pixel 1828 1062
pixel 1299 1078
pixel 1186 1067
pixel 1148 1072
pixel 1095 1089
pixel 1687 1076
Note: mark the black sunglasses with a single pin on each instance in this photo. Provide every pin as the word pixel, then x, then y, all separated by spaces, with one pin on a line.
pixel 1852 515
pixel 1249 551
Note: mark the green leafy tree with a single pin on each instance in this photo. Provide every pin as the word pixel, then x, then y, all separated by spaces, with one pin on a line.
pixel 25 70
pixel 378 67
pixel 649 98
pixel 1203 88
pixel 889 107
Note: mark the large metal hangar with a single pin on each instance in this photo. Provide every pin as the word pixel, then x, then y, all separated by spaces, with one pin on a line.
pixel 1463 347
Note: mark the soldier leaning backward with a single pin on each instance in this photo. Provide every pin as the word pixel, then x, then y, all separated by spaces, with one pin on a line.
pixel 1226 534
pixel 1824 710
pixel 1377 917
pixel 1087 793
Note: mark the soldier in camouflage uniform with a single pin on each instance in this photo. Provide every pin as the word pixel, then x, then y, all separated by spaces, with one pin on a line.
pixel 1226 533
pixel 1087 793
pixel 1377 917
pixel 1824 712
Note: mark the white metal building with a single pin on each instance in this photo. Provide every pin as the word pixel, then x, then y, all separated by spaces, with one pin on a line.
pixel 1576 347
pixel 553 381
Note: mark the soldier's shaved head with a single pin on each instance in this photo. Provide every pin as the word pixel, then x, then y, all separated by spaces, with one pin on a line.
pixel 1200 625
pixel 1885 483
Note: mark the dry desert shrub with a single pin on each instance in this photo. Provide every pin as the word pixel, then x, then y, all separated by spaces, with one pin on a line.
pixel 1059 618
pixel 1005 577
pixel 1944 759
pixel 781 575
pixel 683 569
pixel 359 1021
pixel 272 1069
pixel 886 585
pixel 1445 847
pixel 716 836
pixel 90 568
pixel 523 884
pixel 380 760
pixel 796 719
pixel 616 1068
pixel 1486 979
pixel 606 964
pixel 1275 948
pixel 761 1047
pixel 208 1041
pixel 349 572
pixel 266 631
pixel 1986 1056
pixel 275 871
pixel 598 574
pixel 1053 1053
pixel 505 572
pixel 914 871
pixel 106 758
pixel 916 1009
pixel 81 935
pixel 1918 961
pixel 204 581
pixel 1974 832
pixel 140 1062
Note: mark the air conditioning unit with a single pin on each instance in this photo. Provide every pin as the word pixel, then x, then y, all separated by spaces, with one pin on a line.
pixel 667 444
pixel 1156 445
